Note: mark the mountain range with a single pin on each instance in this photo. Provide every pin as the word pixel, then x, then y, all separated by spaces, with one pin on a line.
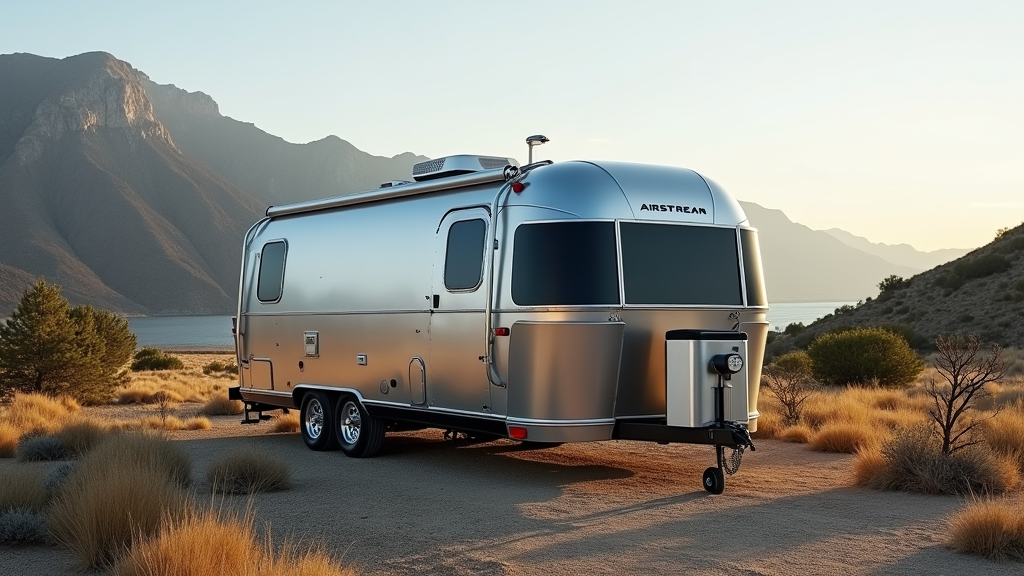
pixel 134 196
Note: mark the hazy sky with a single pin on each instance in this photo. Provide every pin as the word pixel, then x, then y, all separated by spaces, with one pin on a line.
pixel 900 121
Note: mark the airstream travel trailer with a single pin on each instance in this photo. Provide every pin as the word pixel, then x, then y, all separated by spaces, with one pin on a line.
pixel 548 303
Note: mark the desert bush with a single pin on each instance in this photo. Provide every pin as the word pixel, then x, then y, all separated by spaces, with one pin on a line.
pixel 178 387
pixel 205 542
pixel 175 423
pixel 289 423
pixel 966 371
pixel 117 495
pixel 913 461
pixel 55 477
pixel 844 437
pixel 864 356
pixel 155 359
pixel 222 367
pixel 836 406
pixel 788 377
pixel 246 472
pixel 22 488
pixel 221 406
pixel 990 528
pixel 21 527
pixel 38 413
pixel 49 347
pixel 41 449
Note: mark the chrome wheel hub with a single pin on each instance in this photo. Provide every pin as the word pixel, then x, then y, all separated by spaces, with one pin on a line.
pixel 314 421
pixel 351 423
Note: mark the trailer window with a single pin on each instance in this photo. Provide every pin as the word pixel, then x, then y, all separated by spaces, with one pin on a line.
pixel 464 255
pixel 565 264
pixel 673 264
pixel 752 273
pixel 271 276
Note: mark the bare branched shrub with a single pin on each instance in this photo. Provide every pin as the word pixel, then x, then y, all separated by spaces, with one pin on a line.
pixel 788 377
pixel 966 371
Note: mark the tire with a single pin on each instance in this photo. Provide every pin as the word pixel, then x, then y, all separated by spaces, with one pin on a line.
pixel 359 434
pixel 315 422
pixel 714 480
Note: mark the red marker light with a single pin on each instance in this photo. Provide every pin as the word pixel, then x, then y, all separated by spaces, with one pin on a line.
pixel 518 187
pixel 517 432
pixel 502 331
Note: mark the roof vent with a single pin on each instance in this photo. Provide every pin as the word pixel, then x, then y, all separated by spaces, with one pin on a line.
pixel 460 164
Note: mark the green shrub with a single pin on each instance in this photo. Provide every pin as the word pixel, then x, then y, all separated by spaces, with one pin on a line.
pixel 218 366
pixel 864 356
pixel 155 359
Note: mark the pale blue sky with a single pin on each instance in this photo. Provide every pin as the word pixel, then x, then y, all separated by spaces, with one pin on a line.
pixel 897 121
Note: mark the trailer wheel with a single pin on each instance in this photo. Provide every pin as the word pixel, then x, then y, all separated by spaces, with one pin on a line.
pixel 316 418
pixel 359 434
pixel 714 480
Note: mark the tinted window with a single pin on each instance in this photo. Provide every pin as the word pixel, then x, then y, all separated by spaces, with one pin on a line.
pixel 668 264
pixel 464 256
pixel 752 269
pixel 268 287
pixel 565 264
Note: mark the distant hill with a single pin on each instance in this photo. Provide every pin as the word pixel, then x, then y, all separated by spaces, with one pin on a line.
pixel 980 293
pixel 804 265
pixel 899 254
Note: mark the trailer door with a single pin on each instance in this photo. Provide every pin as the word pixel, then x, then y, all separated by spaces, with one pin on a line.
pixel 456 377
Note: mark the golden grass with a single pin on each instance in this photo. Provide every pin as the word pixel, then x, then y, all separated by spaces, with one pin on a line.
pixel 247 472
pixel 845 437
pixel 116 495
pixel 177 385
pixel 990 528
pixel 175 423
pixel 220 405
pixel 1004 433
pixel 800 434
pixel 22 488
pixel 37 413
pixel 286 423
pixel 9 437
pixel 203 542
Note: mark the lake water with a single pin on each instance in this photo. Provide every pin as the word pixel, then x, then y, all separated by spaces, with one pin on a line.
pixel 214 332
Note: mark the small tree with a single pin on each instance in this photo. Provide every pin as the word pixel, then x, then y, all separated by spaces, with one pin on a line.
pixel 51 348
pixel 892 284
pixel 965 370
pixel 788 377
pixel 864 356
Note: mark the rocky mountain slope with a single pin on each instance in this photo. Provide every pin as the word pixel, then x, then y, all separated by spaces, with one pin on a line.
pixel 980 293
pixel 134 196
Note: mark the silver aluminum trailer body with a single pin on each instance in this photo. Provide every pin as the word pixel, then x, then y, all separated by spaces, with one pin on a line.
pixel 374 308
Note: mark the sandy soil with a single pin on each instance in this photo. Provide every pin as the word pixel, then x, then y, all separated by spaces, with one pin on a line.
pixel 431 506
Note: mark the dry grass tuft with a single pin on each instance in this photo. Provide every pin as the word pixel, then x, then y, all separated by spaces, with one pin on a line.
pixel 38 414
pixel 990 528
pixel 836 407
pixel 177 386
pixel 41 449
pixel 287 423
pixel 22 488
pixel 845 437
pixel 197 423
pixel 221 406
pixel 83 435
pixel 205 542
pixel 20 527
pixel 116 495
pixel 800 434
pixel 247 472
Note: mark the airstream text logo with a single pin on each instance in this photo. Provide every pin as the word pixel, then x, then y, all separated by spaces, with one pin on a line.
pixel 672 208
